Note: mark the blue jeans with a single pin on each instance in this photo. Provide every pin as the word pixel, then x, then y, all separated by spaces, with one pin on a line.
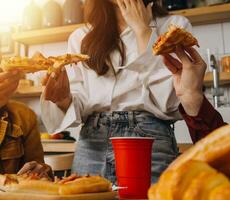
pixel 94 153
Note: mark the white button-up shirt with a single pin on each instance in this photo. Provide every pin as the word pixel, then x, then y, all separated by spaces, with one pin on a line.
pixel 143 83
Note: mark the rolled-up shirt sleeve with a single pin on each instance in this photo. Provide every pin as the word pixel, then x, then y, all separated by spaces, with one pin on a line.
pixel 207 120
pixel 54 119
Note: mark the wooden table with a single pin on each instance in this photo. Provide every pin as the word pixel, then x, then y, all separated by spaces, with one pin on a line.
pixel 56 147
pixel 70 147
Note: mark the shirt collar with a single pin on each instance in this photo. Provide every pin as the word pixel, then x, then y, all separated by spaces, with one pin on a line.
pixel 128 28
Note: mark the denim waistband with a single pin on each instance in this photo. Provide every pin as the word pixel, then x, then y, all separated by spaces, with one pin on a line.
pixel 130 117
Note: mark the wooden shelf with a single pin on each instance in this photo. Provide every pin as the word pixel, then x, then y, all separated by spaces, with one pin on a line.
pixel 224 78
pixel 43 36
pixel 206 15
pixel 197 16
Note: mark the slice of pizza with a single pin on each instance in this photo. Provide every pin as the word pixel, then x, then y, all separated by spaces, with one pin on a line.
pixel 25 64
pixel 41 60
pixel 38 62
pixel 66 59
pixel 167 42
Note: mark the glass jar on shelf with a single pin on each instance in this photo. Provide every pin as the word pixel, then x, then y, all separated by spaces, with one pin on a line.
pixel 72 12
pixel 31 18
pixel 51 14
pixel 225 63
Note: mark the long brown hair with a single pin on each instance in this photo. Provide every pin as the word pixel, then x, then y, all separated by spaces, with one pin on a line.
pixel 158 9
pixel 104 35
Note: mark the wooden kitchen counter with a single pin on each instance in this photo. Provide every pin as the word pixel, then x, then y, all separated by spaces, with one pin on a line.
pixel 52 147
pixel 57 147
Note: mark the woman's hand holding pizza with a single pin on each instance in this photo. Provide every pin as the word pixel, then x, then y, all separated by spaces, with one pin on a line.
pixel 188 73
pixel 57 90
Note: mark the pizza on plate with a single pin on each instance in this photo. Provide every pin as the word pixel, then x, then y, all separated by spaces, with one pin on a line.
pixel 167 42
pixel 71 185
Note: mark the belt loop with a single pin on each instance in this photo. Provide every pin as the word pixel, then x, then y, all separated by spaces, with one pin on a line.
pixel 95 123
pixel 131 119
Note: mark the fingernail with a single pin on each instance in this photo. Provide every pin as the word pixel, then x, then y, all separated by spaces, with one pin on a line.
pixel 53 75
pixel 63 69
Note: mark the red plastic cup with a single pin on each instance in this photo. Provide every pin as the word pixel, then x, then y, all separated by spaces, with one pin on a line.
pixel 133 166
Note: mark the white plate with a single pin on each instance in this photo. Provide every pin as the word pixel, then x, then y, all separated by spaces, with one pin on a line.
pixel 27 196
pixel 57 141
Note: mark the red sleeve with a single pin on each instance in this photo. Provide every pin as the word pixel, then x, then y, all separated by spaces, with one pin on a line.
pixel 207 120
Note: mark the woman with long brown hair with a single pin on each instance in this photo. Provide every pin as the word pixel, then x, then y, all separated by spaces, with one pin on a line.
pixel 122 91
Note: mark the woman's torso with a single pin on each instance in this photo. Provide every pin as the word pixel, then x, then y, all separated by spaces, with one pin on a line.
pixel 143 83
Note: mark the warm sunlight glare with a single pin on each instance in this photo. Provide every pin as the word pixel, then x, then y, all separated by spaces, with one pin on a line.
pixel 11 11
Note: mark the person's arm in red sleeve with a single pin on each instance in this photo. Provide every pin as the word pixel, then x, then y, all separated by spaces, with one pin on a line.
pixel 207 120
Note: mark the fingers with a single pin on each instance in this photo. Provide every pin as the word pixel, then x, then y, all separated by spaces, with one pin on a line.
pixel 38 169
pixel 181 54
pixel 172 64
pixel 57 88
pixel 8 75
pixel 194 55
pixel 34 168
pixel 149 10
pixel 122 6
pixel 50 86
pixel 27 168
pixel 63 78
pixel 9 84
pixel 45 80
pixel 128 4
